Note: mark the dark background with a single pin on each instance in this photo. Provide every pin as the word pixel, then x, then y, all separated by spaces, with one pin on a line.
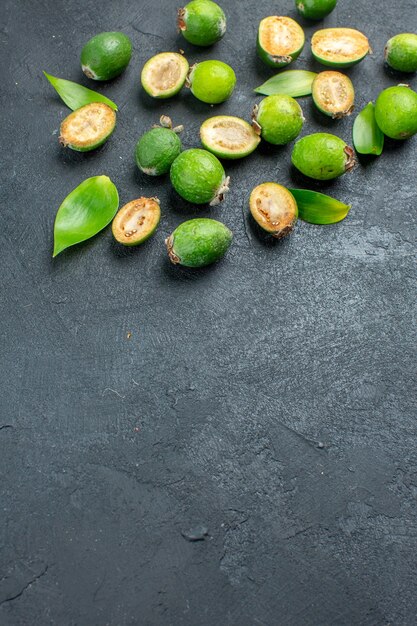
pixel 269 397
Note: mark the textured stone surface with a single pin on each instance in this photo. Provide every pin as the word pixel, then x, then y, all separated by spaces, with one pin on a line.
pixel 268 399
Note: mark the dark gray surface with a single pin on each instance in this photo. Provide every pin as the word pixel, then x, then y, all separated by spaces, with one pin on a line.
pixel 141 400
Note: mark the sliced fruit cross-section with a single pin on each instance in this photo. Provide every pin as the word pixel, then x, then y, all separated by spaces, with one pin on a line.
pixel 339 47
pixel 228 137
pixel 333 94
pixel 88 127
pixel 273 207
pixel 136 221
pixel 164 74
pixel 280 40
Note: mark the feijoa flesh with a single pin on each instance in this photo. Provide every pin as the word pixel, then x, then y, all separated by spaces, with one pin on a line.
pixel 396 112
pixel 339 47
pixel 280 40
pixel 88 127
pixel 315 9
pixel 106 55
pixel 198 177
pixel 163 76
pixel 198 242
pixel 211 81
pixel 333 94
pixel 158 148
pixel 278 119
pixel 401 52
pixel 228 137
pixel 274 208
pixel 136 221
pixel 322 156
pixel 202 22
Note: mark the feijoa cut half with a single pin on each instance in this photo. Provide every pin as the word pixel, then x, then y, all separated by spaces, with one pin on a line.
pixel 106 55
pixel 280 40
pixel 136 221
pixel 333 94
pixel 163 76
pixel 228 137
pixel 198 242
pixel 87 128
pixel 274 209
pixel 339 47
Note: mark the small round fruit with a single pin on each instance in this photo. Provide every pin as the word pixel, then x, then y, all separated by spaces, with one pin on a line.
pixel 88 127
pixel 211 81
pixel 136 221
pixel 199 177
pixel 339 47
pixel 322 156
pixel 333 94
pixel 401 52
pixel 315 9
pixel 278 119
pixel 202 22
pixel 106 55
pixel 396 112
pixel 198 242
pixel 228 137
pixel 157 149
pixel 163 76
pixel 274 208
pixel 280 40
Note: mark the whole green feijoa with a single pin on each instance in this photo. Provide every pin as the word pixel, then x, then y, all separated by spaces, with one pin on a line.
pixel 198 242
pixel 401 52
pixel 202 22
pixel 315 9
pixel 322 156
pixel 199 177
pixel 158 148
pixel 278 119
pixel 396 112
pixel 106 55
pixel 211 81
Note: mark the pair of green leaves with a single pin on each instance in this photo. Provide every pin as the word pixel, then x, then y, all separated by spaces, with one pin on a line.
pixel 317 208
pixel 76 96
pixel 294 83
pixel 367 136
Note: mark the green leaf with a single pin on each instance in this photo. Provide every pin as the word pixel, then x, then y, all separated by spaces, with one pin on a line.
pixel 290 82
pixel 367 137
pixel 75 95
pixel 317 208
pixel 84 212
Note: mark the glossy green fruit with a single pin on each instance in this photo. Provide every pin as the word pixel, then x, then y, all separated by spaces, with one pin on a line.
pixel 87 128
pixel 211 81
pixel 202 22
pixel 163 76
pixel 199 177
pixel 228 137
pixel 396 112
pixel 274 208
pixel 136 221
pixel 157 149
pixel 333 94
pixel 339 47
pixel 315 9
pixel 280 40
pixel 401 52
pixel 322 156
pixel 279 119
pixel 106 55
pixel 198 242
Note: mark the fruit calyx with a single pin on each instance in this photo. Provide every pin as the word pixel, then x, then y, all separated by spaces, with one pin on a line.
pixel 166 122
pixel 169 242
pixel 351 161
pixel 181 25
pixel 254 117
pixel 221 192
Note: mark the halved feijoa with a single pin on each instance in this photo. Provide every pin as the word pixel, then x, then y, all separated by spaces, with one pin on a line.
pixel 228 137
pixel 274 208
pixel 315 9
pixel 88 127
pixel 339 47
pixel 396 112
pixel 202 22
pixel 401 52
pixel 106 55
pixel 136 221
pixel 164 74
pixel 322 156
pixel 333 94
pixel 198 242
pixel 280 40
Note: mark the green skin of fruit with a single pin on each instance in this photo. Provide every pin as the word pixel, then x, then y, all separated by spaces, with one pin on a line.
pixel 202 22
pixel 396 112
pixel 222 154
pixel 272 61
pixel 321 156
pixel 197 175
pixel 199 242
pixel 315 9
pixel 106 55
pixel 401 52
pixel 280 118
pixel 156 150
pixel 212 81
